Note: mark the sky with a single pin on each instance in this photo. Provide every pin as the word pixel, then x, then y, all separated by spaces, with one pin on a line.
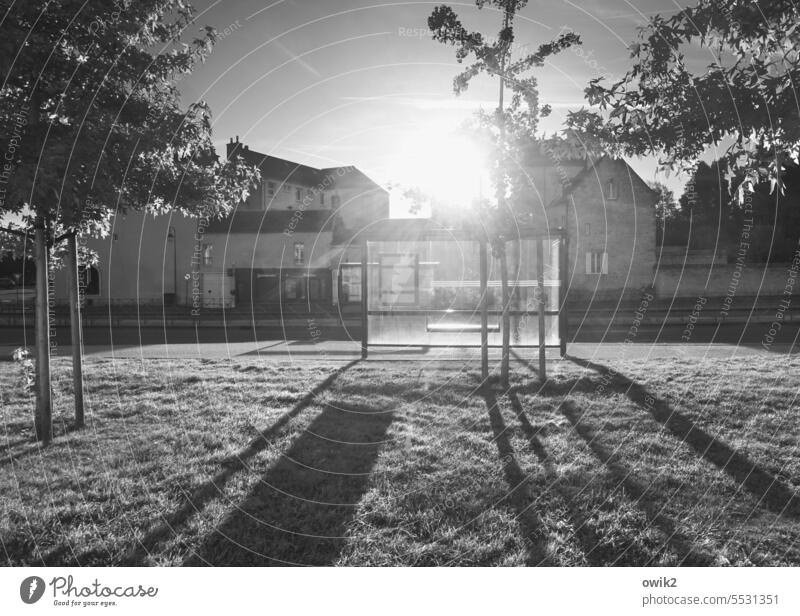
pixel 361 82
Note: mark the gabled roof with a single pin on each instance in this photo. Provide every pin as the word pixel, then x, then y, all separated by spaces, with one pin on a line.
pixel 589 171
pixel 281 170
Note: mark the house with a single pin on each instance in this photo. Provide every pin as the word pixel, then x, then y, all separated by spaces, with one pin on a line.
pixel 144 260
pixel 608 214
pixel 287 248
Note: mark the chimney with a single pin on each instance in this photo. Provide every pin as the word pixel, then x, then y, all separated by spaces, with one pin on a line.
pixel 233 148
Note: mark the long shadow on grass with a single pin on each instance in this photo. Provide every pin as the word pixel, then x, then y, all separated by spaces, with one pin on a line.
pixel 166 527
pixel 645 499
pixel 774 494
pixel 518 484
pixel 299 511
pixel 585 536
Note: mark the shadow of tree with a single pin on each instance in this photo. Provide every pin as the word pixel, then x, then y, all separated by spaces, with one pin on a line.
pixel 584 534
pixel 165 528
pixel 518 496
pixel 299 510
pixel 647 500
pixel 770 491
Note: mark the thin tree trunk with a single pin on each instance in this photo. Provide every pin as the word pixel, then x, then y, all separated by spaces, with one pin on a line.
pixel 43 421
pixel 75 327
pixel 506 353
pixel 515 273
pixel 501 202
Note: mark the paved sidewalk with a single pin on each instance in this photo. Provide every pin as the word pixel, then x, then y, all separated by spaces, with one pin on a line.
pixel 344 351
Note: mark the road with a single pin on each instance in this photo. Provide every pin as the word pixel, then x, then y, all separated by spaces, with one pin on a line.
pixel 242 343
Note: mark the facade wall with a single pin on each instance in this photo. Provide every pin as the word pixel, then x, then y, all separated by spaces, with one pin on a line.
pixel 546 180
pixel 138 261
pixel 623 228
pixel 287 195
pixel 249 250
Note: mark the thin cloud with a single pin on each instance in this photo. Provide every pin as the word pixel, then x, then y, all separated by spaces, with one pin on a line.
pixel 290 54
pixel 425 103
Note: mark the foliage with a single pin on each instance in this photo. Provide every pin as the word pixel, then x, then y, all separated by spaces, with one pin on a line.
pixel 745 97
pixel 22 357
pixel 706 197
pixel 509 131
pixel 92 116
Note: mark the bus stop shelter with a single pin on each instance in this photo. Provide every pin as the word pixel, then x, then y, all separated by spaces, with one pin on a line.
pixel 427 285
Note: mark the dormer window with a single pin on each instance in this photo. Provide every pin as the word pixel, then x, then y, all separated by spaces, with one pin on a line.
pixel 611 189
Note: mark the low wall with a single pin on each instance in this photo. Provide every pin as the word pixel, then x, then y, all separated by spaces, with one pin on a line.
pixel 724 280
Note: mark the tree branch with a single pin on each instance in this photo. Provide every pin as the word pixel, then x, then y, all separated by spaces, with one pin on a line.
pixel 14 232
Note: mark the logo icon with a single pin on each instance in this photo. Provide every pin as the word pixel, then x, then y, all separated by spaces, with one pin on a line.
pixel 31 589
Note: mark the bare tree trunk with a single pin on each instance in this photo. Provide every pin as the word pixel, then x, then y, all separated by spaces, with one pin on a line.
pixel 43 421
pixel 501 202
pixel 514 269
pixel 506 352
pixel 75 327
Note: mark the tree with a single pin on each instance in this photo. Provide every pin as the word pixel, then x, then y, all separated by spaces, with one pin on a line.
pixel 93 121
pixel 666 209
pixel 511 129
pixel 746 97
pixel 707 197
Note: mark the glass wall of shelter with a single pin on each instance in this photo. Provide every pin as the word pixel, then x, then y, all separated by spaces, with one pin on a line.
pixel 428 292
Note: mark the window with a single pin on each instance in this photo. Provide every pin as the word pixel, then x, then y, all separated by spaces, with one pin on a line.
pixel 322 198
pixel 287 188
pixel 611 189
pixel 587 228
pixel 88 280
pixel 294 288
pixel 335 201
pixel 270 189
pixel 351 284
pixel 299 253
pixel 399 279
pixel 596 262
pixel 298 194
pixel 208 258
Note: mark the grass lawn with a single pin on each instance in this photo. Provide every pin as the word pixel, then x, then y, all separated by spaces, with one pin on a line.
pixel 673 462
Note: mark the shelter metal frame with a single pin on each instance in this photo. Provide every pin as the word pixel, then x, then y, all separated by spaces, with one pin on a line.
pixel 441 234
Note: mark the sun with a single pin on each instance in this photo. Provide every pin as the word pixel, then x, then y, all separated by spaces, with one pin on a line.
pixel 447 166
